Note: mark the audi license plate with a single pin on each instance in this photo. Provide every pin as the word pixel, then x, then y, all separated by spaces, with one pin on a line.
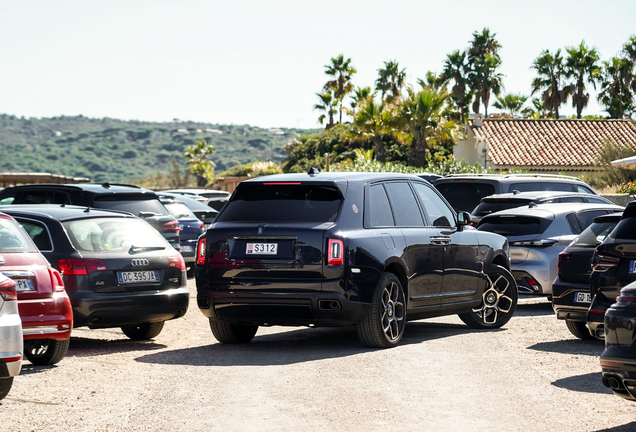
pixel 582 297
pixel 24 284
pixel 138 277
pixel 262 249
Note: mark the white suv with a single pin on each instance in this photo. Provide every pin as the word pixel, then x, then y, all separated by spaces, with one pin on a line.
pixel 10 334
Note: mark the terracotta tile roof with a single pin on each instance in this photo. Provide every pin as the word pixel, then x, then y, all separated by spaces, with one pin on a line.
pixel 549 142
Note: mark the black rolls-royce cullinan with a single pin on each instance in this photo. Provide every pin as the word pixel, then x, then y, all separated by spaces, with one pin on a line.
pixel 372 250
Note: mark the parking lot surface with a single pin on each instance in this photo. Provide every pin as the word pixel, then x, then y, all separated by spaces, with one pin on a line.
pixel 531 375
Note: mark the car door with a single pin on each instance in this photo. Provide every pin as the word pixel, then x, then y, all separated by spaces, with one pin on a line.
pixel 424 254
pixel 460 248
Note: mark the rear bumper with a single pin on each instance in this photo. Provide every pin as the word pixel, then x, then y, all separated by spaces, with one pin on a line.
pixel 563 301
pixel 320 309
pixel 10 364
pixel 46 318
pixel 105 310
pixel 621 376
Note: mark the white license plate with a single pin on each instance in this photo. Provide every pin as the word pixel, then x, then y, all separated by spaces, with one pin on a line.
pixel 187 248
pixel 24 284
pixel 582 297
pixel 262 249
pixel 137 277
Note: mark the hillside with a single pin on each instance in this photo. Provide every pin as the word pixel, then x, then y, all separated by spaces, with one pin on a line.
pixel 123 151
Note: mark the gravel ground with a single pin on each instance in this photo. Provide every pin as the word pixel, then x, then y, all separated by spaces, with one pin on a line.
pixel 531 375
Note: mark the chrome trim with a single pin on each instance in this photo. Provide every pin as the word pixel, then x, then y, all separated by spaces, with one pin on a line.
pixel 17 273
pixel 139 262
pixel 42 330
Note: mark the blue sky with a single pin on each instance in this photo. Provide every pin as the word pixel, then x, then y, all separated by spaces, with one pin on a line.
pixel 262 62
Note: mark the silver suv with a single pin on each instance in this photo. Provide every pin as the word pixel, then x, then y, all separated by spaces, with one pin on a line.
pixel 464 191
pixel 537 234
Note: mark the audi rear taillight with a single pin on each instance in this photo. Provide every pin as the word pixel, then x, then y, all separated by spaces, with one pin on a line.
pixel 56 280
pixel 335 254
pixel 201 252
pixel 176 261
pixel 72 267
pixel 172 226
pixel 8 291
pixel 95 265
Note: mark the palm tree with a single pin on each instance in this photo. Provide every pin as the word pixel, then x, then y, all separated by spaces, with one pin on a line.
pixel 341 71
pixel 457 68
pixel 582 64
pixel 513 103
pixel 615 94
pixel 551 80
pixel 434 81
pixel 373 119
pixel 328 104
pixel 483 60
pixel 390 79
pixel 421 115
pixel 539 110
pixel 199 164
pixel 359 94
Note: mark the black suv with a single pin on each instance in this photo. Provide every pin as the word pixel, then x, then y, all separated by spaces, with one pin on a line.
pixel 132 199
pixel 336 249
pixel 464 191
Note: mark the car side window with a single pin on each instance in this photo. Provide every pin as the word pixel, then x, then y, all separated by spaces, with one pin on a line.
pixel 37 197
pixel 378 211
pixel 587 217
pixel 556 186
pixel 572 199
pixel 7 200
pixel 573 223
pixel 524 187
pixel 62 198
pixel 407 212
pixel 584 189
pixel 38 233
pixel 596 200
pixel 437 211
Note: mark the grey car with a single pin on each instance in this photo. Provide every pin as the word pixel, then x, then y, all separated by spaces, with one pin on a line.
pixel 11 345
pixel 537 234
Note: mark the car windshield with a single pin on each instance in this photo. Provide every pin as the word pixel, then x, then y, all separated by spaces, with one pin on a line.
pixel 508 225
pixel 279 202
pixel 625 230
pixel 134 204
pixel 179 210
pixel 113 234
pixel 465 196
pixel 488 207
pixel 13 238
pixel 594 235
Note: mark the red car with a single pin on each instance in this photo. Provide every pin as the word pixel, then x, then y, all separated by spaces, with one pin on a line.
pixel 44 306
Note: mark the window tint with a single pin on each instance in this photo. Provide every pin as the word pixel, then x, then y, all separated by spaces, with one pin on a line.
pixel 514 225
pixel 594 235
pixel 113 234
pixel 134 204
pixel 485 208
pixel 584 189
pixel 596 200
pixel 626 229
pixel 37 197
pixel 179 210
pixel 572 199
pixel 579 221
pixel 13 238
pixel 465 196
pixel 407 212
pixel 437 211
pixel 378 209
pixel 38 233
pixel 556 186
pixel 281 202
pixel 525 186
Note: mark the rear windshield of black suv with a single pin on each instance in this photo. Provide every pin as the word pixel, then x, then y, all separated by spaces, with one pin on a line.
pixel 465 195
pixel 278 202
pixel 132 203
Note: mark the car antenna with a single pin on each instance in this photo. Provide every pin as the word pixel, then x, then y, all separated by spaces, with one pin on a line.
pixel 313 172
pixel 515 192
pixel 88 209
pixel 532 204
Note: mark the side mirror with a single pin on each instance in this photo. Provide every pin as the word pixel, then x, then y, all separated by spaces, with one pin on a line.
pixel 463 219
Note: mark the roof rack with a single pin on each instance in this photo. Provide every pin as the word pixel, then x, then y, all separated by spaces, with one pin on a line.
pixel 476 175
pixel 544 175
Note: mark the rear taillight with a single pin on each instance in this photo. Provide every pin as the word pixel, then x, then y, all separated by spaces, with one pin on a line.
pixel 56 280
pixel 95 265
pixel 602 262
pixel 172 226
pixel 533 243
pixel 176 261
pixel 12 359
pixel 72 267
pixel 335 254
pixel 8 291
pixel 563 256
pixel 201 252
pixel 625 298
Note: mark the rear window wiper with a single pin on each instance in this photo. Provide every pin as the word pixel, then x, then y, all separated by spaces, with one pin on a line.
pixel 134 248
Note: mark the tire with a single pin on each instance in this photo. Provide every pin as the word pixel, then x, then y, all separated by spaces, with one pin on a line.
pixel 144 331
pixel 190 272
pixel 384 326
pixel 5 386
pixel 45 352
pixel 499 301
pixel 579 329
pixel 227 333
